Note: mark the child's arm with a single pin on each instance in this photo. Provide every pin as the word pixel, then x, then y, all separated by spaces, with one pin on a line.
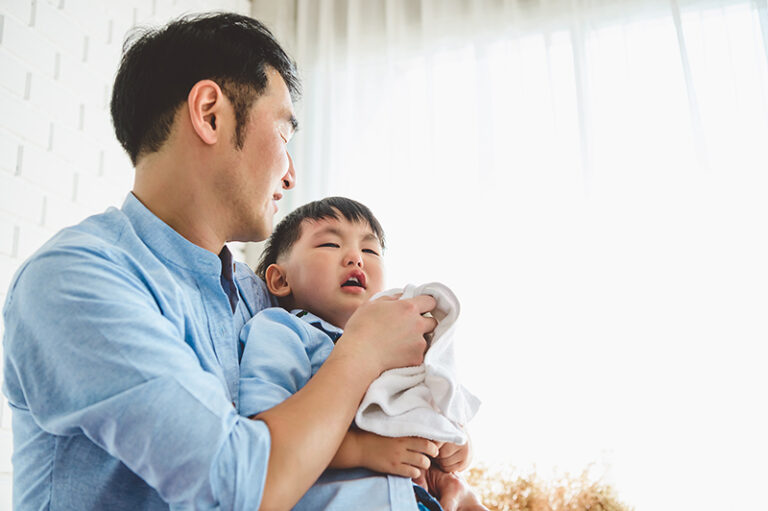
pixel 403 456
pixel 454 458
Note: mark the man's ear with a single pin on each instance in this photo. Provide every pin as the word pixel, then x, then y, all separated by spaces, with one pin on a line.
pixel 276 281
pixel 204 102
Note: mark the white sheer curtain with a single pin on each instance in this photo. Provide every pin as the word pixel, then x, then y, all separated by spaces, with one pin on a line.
pixel 592 179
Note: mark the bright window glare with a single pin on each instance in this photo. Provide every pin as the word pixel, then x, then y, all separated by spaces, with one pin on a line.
pixel 600 207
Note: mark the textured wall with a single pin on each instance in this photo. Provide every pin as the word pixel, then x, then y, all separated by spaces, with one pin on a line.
pixel 59 160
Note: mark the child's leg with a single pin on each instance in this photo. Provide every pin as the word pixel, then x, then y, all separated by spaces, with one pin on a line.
pixel 452 491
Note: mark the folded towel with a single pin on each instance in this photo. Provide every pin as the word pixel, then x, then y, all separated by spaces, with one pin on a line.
pixel 426 400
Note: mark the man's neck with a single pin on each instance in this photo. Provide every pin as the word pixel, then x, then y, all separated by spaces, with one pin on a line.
pixel 177 197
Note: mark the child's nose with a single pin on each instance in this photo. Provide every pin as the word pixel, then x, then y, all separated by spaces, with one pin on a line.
pixel 353 258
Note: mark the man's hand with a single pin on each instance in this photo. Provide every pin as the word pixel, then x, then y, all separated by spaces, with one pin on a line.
pixel 454 458
pixel 452 491
pixel 388 332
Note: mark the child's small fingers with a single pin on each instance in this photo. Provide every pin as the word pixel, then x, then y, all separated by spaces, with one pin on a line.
pixel 419 460
pixel 409 471
pixel 422 445
pixel 404 470
pixel 448 449
pixel 453 459
pixel 446 458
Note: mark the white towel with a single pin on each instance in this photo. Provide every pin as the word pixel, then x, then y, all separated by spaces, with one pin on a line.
pixel 425 400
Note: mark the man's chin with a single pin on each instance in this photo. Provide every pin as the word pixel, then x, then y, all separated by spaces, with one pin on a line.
pixel 253 236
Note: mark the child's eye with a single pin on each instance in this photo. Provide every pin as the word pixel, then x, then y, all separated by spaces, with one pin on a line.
pixel 370 251
pixel 333 245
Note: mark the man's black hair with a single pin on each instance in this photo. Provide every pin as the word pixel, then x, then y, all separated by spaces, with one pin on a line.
pixel 160 66
pixel 288 230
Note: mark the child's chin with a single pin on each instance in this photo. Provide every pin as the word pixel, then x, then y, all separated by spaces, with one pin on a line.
pixel 354 291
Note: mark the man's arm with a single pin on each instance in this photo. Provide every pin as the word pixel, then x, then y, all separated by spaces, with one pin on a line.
pixel 92 353
pixel 88 351
pixel 307 428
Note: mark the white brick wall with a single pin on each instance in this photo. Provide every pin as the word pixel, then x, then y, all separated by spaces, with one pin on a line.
pixel 59 161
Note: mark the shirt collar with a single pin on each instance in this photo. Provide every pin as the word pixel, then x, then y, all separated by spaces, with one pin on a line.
pixel 168 244
pixel 333 331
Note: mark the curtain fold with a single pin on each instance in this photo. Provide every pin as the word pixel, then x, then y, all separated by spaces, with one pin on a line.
pixel 590 177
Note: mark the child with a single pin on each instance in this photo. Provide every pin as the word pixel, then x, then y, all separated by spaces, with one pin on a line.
pixel 322 262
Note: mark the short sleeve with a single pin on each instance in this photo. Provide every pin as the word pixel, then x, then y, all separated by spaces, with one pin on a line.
pixel 281 354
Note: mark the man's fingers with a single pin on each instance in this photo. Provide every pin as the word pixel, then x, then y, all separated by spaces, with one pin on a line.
pixel 424 303
pixel 389 298
pixel 428 324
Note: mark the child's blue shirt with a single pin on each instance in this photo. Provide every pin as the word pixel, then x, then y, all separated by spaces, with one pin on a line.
pixel 282 352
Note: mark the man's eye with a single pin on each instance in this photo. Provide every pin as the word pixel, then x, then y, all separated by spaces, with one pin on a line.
pixel 370 251
pixel 334 245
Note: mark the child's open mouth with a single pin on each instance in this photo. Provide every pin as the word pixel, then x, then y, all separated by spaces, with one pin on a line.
pixel 354 279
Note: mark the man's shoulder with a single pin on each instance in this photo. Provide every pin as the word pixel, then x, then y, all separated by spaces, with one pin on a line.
pixel 102 240
pixel 95 235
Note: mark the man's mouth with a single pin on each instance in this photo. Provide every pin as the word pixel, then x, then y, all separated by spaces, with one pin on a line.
pixel 276 197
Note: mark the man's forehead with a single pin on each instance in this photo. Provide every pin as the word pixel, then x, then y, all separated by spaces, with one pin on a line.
pixel 278 95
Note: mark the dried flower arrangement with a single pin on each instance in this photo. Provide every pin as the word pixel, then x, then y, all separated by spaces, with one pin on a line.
pixel 505 489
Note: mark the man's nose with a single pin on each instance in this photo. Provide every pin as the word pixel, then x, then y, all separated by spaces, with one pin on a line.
pixel 289 179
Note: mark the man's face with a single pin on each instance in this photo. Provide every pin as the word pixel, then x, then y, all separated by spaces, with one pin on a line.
pixel 334 267
pixel 259 171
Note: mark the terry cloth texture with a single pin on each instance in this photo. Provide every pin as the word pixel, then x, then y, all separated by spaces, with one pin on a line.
pixel 426 400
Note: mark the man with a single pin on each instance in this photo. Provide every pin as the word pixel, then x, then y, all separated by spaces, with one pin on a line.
pixel 121 354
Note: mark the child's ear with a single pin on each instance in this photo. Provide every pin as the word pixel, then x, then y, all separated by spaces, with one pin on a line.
pixel 276 281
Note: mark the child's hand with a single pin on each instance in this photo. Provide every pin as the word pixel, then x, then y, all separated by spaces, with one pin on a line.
pixel 404 456
pixel 454 458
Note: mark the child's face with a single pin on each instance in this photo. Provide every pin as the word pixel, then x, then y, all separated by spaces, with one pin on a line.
pixel 334 267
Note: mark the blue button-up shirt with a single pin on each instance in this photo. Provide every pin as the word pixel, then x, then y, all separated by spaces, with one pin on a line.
pixel 121 368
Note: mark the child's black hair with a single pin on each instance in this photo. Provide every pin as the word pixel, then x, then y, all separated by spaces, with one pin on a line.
pixel 288 230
